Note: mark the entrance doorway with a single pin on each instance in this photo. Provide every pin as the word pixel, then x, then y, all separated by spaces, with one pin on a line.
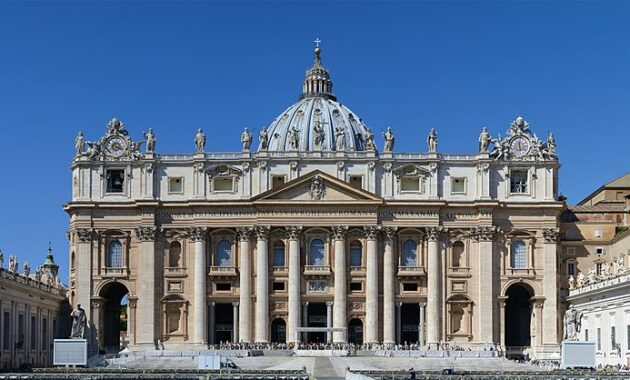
pixel 409 321
pixel 518 316
pixel 223 322
pixel 316 318
pixel 278 331
pixel 355 331
pixel 114 319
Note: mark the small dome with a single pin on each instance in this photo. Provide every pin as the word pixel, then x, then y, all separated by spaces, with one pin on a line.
pixel 317 122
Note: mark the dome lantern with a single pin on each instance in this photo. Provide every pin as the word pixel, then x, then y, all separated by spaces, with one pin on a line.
pixel 317 82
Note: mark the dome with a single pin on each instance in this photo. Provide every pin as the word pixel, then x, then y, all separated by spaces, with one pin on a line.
pixel 317 122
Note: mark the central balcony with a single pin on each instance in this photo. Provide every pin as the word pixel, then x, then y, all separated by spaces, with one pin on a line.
pixel 222 271
pixel 407 272
pixel 120 272
pixel 317 270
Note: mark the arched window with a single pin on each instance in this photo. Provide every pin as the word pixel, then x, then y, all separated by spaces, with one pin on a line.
pixel 224 253
pixel 410 253
pixel 355 254
pixel 114 254
pixel 278 254
pixel 519 255
pixel 316 256
pixel 175 254
pixel 458 255
pixel 72 261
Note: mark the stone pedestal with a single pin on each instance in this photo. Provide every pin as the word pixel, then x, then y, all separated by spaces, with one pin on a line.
pixel 576 354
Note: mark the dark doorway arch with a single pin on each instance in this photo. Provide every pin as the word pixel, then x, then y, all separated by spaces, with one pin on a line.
pixel 278 331
pixel 518 316
pixel 115 315
pixel 355 331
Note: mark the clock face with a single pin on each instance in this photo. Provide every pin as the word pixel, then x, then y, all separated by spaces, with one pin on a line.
pixel 519 146
pixel 116 146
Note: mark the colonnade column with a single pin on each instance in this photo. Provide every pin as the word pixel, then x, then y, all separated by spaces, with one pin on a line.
pixel 294 282
pixel 485 236
pixel 371 302
pixel 389 287
pixel 433 286
pixel 421 339
pixel 200 304
pixel 398 322
pixel 146 289
pixel 305 321
pixel 501 300
pixel 211 323
pixel 550 286
pixel 245 291
pixel 339 306
pixel 329 322
pixel 235 322
pixel 262 285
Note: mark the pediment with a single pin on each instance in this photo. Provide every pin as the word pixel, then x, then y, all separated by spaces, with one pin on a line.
pixel 316 186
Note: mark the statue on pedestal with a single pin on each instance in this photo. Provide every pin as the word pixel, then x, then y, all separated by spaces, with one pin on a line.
pixel 263 136
pixel 592 275
pixel 294 137
pixel 571 282
pixel 246 139
pixel 340 137
pixel 79 323
pixel 13 264
pixel 620 265
pixel 572 323
pixel 605 271
pixel 200 141
pixel 151 139
pixel 580 280
pixel 432 141
pixel 389 140
pixel 370 146
pixel 26 269
pixel 484 140
pixel 1 259
pixel 79 145
pixel 318 135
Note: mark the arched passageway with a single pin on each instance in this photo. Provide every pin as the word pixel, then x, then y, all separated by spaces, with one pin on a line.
pixel 278 331
pixel 115 315
pixel 355 331
pixel 518 316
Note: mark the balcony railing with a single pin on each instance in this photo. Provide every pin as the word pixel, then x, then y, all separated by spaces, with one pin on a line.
pixel 520 272
pixel 222 271
pixel 317 270
pixel 410 271
pixel 174 271
pixel 357 270
pixel 115 272
pixel 280 269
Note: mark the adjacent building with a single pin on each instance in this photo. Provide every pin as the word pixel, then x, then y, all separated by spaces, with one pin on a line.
pixel 319 226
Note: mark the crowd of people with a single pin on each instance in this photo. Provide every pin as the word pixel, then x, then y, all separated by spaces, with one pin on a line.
pixel 442 346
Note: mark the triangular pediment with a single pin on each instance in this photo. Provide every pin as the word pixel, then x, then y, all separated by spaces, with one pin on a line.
pixel 316 186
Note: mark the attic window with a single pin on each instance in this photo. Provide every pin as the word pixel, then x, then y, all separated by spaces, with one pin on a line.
pixel 356 181
pixel 277 181
pixel 175 185
pixel 115 180
pixel 410 184
pixel 458 186
pixel 223 185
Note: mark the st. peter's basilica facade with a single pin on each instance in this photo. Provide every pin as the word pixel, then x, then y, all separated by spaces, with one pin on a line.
pixel 316 225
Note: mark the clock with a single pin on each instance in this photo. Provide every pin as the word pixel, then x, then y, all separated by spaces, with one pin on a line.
pixel 116 146
pixel 519 146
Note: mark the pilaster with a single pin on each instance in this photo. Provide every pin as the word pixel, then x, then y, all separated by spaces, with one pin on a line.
pixel 146 288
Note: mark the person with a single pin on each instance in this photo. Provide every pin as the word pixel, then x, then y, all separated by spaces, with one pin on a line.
pixel 389 140
pixel 200 141
pixel 150 140
pixel 79 322
pixel 246 139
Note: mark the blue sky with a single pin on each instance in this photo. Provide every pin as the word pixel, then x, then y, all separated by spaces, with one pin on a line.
pixel 176 67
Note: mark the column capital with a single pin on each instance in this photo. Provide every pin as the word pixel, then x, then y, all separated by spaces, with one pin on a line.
pixel 198 233
pixel 551 235
pixel 371 232
pixel 132 301
pixel 422 304
pixel 329 303
pixel 84 234
pixel 235 304
pixel 244 233
pixel 262 232
pixel 501 300
pixel 147 233
pixel 433 233
pixel 339 232
pixel 484 233
pixel 294 232
pixel 390 232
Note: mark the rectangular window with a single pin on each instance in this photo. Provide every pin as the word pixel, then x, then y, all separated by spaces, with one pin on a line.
pixel 115 180
pixel 33 333
pixel 598 268
pixel 599 339
pixel 223 287
pixel 410 287
pixel 277 181
pixel 410 184
pixel 225 185
pixel 20 337
pixel 175 185
pixel 356 181
pixel 613 341
pixel 570 251
pixel 44 333
pixel 518 181
pixel 278 286
pixel 458 186
pixel 6 334
pixel 600 250
pixel 356 286
pixel 597 233
pixel 586 334
pixel 571 269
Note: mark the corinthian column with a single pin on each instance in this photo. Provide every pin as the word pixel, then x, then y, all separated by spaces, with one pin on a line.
pixel 550 286
pixel 371 302
pixel 389 287
pixel 433 285
pixel 200 330
pixel 245 291
pixel 485 236
pixel 147 302
pixel 262 285
pixel 294 282
pixel 84 269
pixel 339 305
